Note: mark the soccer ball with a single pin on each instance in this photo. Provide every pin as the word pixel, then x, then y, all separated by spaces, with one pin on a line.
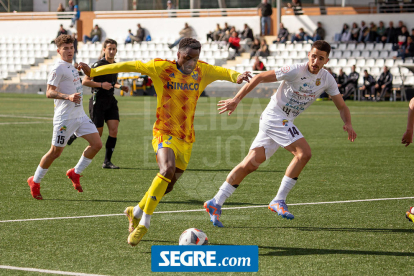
pixel 193 236
pixel 411 210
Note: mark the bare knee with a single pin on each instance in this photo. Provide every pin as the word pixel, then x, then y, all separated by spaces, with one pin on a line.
pixel 97 145
pixel 54 154
pixel 304 156
pixel 113 132
pixel 167 171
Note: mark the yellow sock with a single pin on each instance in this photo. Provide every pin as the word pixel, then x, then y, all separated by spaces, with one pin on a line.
pixel 155 193
pixel 141 204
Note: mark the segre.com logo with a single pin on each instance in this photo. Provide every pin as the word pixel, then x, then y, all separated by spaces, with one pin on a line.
pixel 212 258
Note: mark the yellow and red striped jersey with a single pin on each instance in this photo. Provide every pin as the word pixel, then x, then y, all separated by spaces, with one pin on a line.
pixel 177 93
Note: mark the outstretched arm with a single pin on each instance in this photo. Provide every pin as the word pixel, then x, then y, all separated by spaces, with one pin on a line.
pixel 408 135
pixel 231 104
pixel 345 116
pixel 129 66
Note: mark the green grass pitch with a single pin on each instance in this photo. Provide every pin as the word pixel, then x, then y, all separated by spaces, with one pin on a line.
pixel 353 238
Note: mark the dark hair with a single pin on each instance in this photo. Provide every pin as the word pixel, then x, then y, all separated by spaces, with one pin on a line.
pixel 322 45
pixel 109 41
pixel 365 70
pixel 189 42
pixel 64 39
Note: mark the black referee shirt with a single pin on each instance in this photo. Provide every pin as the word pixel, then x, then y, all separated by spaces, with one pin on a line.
pixel 111 78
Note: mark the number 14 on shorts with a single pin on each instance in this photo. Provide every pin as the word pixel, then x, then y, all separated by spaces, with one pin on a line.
pixel 293 131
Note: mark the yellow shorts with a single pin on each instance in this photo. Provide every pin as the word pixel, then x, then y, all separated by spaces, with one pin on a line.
pixel 182 149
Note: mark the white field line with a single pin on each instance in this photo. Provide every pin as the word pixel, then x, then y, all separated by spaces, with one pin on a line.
pixel 46 271
pixel 21 123
pixel 201 113
pixel 25 117
pixel 228 208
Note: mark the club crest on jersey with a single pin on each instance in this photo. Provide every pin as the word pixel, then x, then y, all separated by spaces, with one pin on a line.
pixel 285 69
pixel 318 82
pixel 154 198
pixel 194 75
pixel 62 129
pixel 172 75
pixel 285 122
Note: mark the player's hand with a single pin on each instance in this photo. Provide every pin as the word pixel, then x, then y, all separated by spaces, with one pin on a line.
pixel 125 88
pixel 246 76
pixel 383 86
pixel 351 133
pixel 407 138
pixel 377 85
pixel 76 97
pixel 228 105
pixel 106 85
pixel 85 68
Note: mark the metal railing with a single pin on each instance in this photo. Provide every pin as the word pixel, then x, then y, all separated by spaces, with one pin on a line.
pixel 36 15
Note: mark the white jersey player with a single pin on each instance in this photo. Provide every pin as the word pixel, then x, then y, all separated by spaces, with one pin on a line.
pixel 301 86
pixel 65 87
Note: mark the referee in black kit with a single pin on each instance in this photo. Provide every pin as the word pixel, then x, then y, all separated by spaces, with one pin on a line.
pixel 103 107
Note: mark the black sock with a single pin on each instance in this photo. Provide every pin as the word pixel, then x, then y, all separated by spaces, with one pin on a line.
pixel 110 146
pixel 235 186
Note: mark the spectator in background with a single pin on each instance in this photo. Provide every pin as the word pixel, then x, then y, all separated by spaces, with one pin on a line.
pixel 76 16
pixel 345 34
pixel 171 7
pixel 264 49
pixel 341 81
pixel 354 32
pixel 60 32
pixel 319 33
pixel 363 32
pixel 351 85
pixel 282 35
pixel 255 47
pixel 215 35
pixel 247 33
pixel 128 38
pixel 266 12
pixel 402 37
pixel 301 36
pixel 75 47
pixel 71 6
pixel 61 8
pixel 234 43
pixel 140 36
pixel 412 34
pixel 324 96
pixel 384 83
pixel 94 36
pixel 399 28
pixel 368 87
pixel 372 34
pixel 226 35
pixel 407 51
pixel 184 33
pixel 380 31
pixel 296 6
pixel 258 65
pixel 391 33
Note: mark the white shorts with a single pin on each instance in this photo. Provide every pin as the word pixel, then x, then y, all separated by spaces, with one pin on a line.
pixel 275 133
pixel 62 130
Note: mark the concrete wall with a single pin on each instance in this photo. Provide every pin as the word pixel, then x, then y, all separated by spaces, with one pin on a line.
pixel 170 27
pixel 333 23
pixel 32 28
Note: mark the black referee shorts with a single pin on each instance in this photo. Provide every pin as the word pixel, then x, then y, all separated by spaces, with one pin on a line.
pixel 104 109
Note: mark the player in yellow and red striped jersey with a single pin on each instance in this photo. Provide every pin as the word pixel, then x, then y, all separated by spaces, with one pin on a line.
pixel 178 85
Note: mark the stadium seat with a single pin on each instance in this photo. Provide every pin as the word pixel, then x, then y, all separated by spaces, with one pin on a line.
pixel 360 47
pixel 351 61
pixel 384 54
pixel 369 46
pixel 365 54
pixel 375 71
pixel 342 62
pixel 374 54
pixel 333 62
pixel 337 54
pixel 389 62
pixel 379 62
pixel 388 47
pixel 370 62
pixel 346 54
pixel 342 46
pixel 379 47
pixel 351 47
pixel 360 63
pixel 290 47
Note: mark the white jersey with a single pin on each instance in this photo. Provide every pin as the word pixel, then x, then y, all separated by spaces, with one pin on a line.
pixel 66 78
pixel 298 90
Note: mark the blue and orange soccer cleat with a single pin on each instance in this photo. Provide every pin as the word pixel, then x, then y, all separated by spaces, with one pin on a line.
pixel 214 211
pixel 280 207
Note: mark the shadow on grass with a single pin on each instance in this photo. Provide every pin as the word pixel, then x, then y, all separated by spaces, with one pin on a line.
pixel 201 170
pixel 297 251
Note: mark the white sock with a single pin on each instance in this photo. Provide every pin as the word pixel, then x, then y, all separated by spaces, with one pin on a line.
pixel 145 220
pixel 137 212
pixel 224 192
pixel 39 174
pixel 82 164
pixel 285 187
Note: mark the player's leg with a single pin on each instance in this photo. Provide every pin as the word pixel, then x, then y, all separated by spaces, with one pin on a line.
pixel 262 148
pixel 302 154
pixel 166 163
pixel 42 168
pixel 134 214
pixel 112 121
pixel 87 130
